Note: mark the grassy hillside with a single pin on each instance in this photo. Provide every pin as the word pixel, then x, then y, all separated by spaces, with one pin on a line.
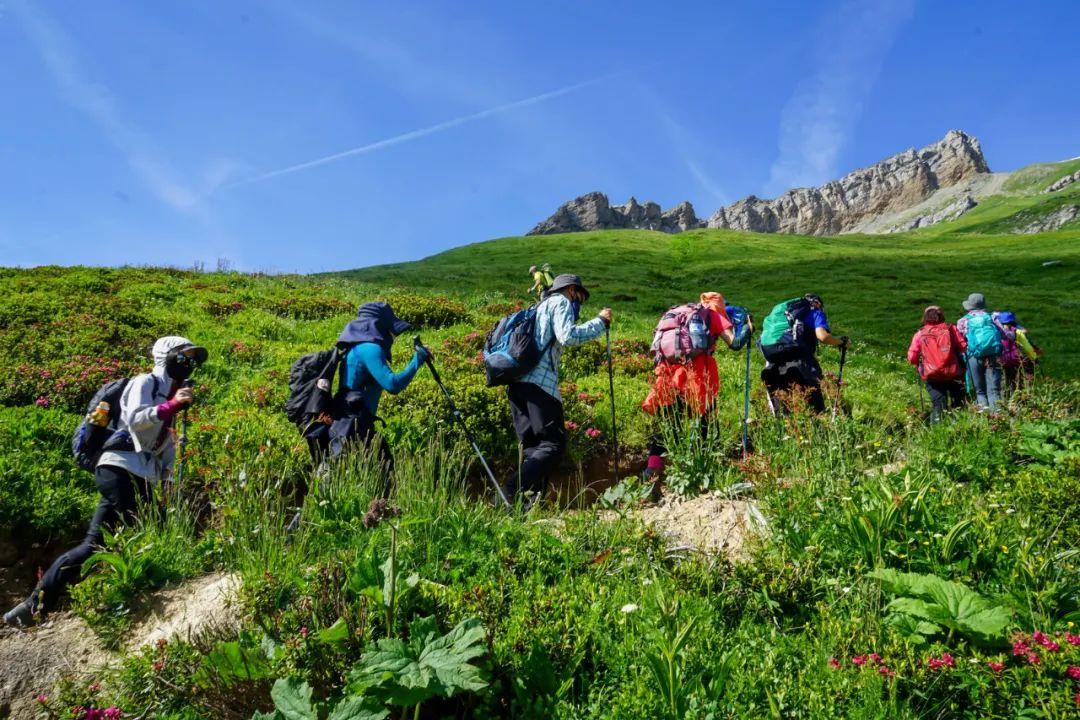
pixel 585 613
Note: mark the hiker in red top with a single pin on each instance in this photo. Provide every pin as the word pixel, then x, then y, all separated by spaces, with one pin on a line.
pixel 684 379
pixel 937 350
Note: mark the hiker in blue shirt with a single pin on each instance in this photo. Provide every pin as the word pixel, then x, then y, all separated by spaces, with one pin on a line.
pixel 535 401
pixel 364 375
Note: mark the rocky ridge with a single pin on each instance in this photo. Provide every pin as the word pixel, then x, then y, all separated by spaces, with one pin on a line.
pixel 888 187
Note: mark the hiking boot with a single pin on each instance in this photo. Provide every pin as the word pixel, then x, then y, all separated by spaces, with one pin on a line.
pixel 22 615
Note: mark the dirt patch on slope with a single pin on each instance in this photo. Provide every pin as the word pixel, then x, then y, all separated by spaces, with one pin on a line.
pixel 32 661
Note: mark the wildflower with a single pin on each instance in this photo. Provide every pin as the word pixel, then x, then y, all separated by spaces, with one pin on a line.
pixel 1033 659
pixel 304 632
pixel 834 663
pixel 162 642
pixel 1020 648
pixel 947 659
pixel 934 663
pixel 875 658
pixel 42 401
pixel 886 671
pixel 1073 672
pixel 628 608
pixel 858 660
pixel 94 687
pixel 1072 639
pixel 583 396
pixel 112 713
pixel 571 425
pixel 995 666
pixel 158 665
pixel 1039 637
pixel 42 699
pixel 377 511
pixel 1076 698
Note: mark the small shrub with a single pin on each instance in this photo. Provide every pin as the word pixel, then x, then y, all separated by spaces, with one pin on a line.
pixel 309 308
pixel 427 312
pixel 222 308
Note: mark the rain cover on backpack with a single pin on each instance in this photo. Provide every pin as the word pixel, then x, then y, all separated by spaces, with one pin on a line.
pixel 682 333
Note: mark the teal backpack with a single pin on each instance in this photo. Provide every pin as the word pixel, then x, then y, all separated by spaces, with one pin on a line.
pixel 983 337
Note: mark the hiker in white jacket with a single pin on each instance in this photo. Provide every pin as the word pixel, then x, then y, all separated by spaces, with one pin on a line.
pixel 136 457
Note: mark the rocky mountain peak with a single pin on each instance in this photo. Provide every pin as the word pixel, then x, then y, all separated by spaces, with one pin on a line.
pixel 842 205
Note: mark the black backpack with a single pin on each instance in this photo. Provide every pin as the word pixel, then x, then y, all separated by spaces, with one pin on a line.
pixel 510 350
pixel 90 438
pixel 306 400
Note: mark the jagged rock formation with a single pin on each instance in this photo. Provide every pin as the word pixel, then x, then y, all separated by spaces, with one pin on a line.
pixel 891 185
pixel 1049 222
pixel 950 212
pixel 593 212
pixel 1063 183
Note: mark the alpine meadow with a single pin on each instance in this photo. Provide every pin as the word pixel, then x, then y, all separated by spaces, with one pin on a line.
pixel 872 565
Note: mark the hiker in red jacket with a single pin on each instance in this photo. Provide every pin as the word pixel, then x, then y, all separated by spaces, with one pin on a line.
pixel 937 351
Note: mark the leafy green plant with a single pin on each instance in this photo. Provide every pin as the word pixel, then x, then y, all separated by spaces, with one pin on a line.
pixel 927 605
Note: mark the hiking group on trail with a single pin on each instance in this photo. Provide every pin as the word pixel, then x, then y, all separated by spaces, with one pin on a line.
pixel 127 438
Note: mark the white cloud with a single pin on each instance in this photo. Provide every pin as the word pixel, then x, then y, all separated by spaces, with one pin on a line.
pixel 416 134
pixel 682 143
pixel 819 117
pixel 97 102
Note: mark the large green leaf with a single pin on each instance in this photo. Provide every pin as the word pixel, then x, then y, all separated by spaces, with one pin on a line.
pixel 949 604
pixel 232 662
pixel 292 698
pixel 429 665
pixel 336 633
pixel 358 708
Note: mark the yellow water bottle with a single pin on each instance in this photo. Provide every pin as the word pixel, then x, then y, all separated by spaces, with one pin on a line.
pixel 100 415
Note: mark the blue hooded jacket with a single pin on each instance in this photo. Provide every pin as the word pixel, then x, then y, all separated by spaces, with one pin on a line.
pixel 366 368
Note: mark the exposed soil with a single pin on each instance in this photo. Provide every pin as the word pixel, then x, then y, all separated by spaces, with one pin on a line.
pixel 32 661
pixel 708 524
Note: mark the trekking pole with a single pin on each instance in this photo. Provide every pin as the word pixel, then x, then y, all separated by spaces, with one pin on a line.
pixel 461 421
pixel 922 389
pixel 183 439
pixel 611 390
pixel 746 406
pixel 839 379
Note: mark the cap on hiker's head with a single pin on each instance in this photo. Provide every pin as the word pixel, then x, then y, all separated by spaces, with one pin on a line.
pixel 567 280
pixel 532 268
pixel 714 301
pixel 975 301
pixel 814 298
pixel 1006 317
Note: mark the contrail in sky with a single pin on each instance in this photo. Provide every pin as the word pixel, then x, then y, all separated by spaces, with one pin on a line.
pixel 422 132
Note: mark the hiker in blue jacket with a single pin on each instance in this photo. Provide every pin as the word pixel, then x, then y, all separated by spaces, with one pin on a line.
pixel 983 352
pixel 364 375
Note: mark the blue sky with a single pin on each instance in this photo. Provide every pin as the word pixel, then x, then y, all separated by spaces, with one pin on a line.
pixel 304 136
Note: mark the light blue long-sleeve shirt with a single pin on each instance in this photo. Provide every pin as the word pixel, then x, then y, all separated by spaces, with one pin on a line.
pixel 367 371
pixel 555 319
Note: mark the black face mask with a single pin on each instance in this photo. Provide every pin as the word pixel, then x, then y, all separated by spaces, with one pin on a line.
pixel 179 366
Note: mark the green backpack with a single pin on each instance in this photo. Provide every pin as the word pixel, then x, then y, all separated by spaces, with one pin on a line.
pixel 983 337
pixel 781 319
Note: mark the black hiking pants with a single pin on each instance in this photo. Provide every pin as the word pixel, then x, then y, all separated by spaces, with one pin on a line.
pixel 328 442
pixel 944 394
pixel 121 493
pixel 802 375
pixel 540 426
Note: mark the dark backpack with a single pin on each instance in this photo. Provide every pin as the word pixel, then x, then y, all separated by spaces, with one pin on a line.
pixel 100 424
pixel 784 335
pixel 306 400
pixel 939 359
pixel 510 350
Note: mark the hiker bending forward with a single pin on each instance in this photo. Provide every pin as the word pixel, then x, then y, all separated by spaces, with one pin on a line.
pixel 983 351
pixel 937 350
pixel 535 401
pixel 692 386
pixel 138 455
pixel 364 375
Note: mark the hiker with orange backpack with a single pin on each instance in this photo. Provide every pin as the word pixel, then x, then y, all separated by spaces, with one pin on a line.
pixel 983 351
pixel 686 376
pixel 937 351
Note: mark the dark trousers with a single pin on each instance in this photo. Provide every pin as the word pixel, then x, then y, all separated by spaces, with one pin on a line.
pixel 540 427
pixel 802 375
pixel 948 393
pixel 121 493
pixel 327 442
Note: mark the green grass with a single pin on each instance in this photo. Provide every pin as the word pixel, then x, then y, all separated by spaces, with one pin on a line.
pixel 585 614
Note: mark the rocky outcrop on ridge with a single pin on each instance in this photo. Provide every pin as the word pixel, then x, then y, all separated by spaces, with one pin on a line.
pixel 592 211
pixel 891 185
pixel 950 212
pixel 1064 182
pixel 888 187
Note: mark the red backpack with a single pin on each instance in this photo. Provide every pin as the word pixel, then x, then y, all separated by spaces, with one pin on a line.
pixel 939 360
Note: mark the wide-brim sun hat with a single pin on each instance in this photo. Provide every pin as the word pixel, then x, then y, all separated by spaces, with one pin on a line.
pixel 975 301
pixel 1006 318
pixel 567 280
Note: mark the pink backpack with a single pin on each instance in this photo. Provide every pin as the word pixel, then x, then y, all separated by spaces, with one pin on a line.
pixel 681 334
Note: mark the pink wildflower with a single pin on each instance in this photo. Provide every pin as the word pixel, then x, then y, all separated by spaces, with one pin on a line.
pixel 583 396
pixel 1076 698
pixel 834 663
pixel 1039 637
pixel 874 657
pixel 858 660
pixel 304 632
pixel 94 687
pixel 571 425
pixel 947 659
pixel 158 665
pixel 1020 648
pixel 42 401
pixel 112 713
pixel 41 699
pixel 1033 658
pixel 1052 646
pixel 934 663
pixel 995 666
pixel 1073 672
